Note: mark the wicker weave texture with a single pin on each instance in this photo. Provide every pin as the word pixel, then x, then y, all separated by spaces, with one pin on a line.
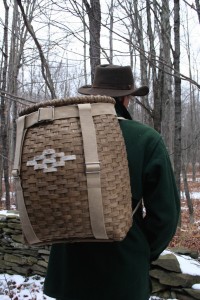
pixel 57 202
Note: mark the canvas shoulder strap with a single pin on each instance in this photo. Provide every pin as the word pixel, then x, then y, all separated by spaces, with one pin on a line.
pixel 139 203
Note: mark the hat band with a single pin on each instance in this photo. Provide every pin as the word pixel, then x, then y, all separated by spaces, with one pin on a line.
pixel 110 87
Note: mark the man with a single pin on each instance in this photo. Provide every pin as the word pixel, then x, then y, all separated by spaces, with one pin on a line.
pixel 120 270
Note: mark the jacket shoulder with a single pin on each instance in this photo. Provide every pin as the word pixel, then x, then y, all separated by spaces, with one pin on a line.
pixel 135 130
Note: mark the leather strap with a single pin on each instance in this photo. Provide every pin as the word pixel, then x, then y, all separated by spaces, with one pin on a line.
pixel 19 143
pixel 63 112
pixel 136 208
pixel 25 222
pixel 92 172
pixel 26 225
pixel 138 204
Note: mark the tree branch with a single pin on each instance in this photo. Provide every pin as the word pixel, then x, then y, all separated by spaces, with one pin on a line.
pixel 16 98
pixel 149 111
pixel 44 65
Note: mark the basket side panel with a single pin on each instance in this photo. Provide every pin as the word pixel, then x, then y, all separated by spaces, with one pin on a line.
pixel 115 177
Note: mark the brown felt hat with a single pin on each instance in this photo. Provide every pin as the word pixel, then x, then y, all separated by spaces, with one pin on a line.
pixel 114 81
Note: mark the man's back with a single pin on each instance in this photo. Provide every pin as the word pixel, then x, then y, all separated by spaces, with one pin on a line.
pixel 119 270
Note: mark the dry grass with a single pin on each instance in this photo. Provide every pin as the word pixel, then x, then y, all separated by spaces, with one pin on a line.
pixel 189 234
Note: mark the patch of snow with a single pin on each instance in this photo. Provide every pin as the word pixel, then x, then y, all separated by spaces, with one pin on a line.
pixel 166 252
pixel 196 286
pixel 29 288
pixel 193 195
pixel 189 178
pixel 8 212
pixel 187 264
pixel 157 298
pixel 19 287
pixel 184 208
pixel 12 196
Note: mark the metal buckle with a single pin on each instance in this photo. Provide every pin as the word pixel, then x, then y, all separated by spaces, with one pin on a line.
pixel 15 173
pixel 45 114
pixel 92 167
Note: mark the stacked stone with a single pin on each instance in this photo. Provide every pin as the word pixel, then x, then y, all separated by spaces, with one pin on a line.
pixel 168 281
pixel 15 256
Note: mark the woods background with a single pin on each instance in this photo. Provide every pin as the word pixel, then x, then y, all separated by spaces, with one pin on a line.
pixel 49 48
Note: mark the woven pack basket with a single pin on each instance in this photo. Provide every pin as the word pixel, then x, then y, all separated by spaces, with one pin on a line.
pixel 71 172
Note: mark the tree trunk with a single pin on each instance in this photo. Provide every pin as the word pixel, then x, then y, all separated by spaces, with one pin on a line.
pixel 177 99
pixel 143 60
pixel 84 47
pixel 198 8
pixel 4 133
pixel 187 194
pixel 156 84
pixel 111 31
pixel 1 170
pixel 13 70
pixel 192 105
pixel 94 13
pixel 167 107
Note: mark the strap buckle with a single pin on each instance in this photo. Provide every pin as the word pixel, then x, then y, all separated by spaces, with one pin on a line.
pixel 45 114
pixel 92 167
pixel 15 173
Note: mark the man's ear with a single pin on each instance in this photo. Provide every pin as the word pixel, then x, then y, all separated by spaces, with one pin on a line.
pixel 125 100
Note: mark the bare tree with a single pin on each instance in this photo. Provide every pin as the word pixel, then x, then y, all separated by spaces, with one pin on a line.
pixel 187 194
pixel 165 77
pixel 18 39
pixel 198 8
pixel 111 14
pixel 136 41
pixel 44 65
pixel 94 13
pixel 130 28
pixel 177 97
pixel 156 84
pixel 84 45
pixel 192 105
pixel 3 109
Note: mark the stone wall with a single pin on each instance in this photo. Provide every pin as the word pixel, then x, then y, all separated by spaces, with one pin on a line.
pixel 168 280
pixel 16 257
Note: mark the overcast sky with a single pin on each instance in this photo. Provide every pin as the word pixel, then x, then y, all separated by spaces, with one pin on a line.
pixel 73 50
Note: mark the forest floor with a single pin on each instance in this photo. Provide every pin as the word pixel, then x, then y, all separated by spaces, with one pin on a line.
pixel 188 235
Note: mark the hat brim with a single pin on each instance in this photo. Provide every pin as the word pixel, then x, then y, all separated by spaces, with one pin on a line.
pixel 89 90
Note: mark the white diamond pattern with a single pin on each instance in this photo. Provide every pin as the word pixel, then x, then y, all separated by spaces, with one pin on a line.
pixel 49 160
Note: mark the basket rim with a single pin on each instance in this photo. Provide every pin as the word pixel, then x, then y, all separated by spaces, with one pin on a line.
pixel 67 101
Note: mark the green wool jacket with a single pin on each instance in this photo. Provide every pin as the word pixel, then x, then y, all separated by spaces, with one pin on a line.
pixel 120 270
